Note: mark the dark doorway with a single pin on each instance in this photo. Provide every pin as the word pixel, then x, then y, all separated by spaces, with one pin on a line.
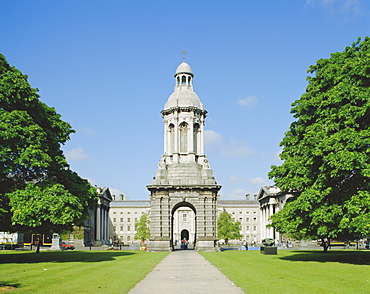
pixel 185 235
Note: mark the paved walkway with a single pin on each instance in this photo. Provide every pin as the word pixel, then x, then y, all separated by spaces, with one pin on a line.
pixel 185 271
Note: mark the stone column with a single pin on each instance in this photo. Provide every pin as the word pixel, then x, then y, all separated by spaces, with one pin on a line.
pixel 201 138
pixel 98 228
pixel 191 137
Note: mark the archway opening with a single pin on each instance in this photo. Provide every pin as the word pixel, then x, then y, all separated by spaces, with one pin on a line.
pixel 183 226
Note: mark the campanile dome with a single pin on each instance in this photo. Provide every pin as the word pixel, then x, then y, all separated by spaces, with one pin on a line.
pixel 183 94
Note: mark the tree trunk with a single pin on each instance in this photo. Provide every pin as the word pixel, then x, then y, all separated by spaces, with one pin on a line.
pixel 38 245
pixel 325 243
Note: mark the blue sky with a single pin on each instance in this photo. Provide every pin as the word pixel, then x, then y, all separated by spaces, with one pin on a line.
pixel 107 67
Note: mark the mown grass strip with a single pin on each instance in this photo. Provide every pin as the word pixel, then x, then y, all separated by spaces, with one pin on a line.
pixel 340 271
pixel 76 271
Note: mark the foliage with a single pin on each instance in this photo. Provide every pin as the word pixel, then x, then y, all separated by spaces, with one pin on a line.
pixel 326 158
pixel 78 232
pixel 342 271
pixel 142 228
pixel 38 191
pixel 227 228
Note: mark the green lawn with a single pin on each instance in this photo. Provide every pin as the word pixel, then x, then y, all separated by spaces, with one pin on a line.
pixel 339 271
pixel 75 271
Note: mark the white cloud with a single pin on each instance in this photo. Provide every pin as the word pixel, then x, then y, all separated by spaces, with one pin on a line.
pixel 234 179
pixel 237 194
pixel 258 181
pixel 87 131
pixel 276 156
pixel 76 154
pixel 212 138
pixel 236 148
pixel 338 6
pixel 248 102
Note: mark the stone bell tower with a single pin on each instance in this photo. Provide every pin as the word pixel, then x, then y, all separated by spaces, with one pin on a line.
pixel 183 177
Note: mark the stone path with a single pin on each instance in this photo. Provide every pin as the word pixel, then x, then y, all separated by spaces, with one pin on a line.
pixel 185 271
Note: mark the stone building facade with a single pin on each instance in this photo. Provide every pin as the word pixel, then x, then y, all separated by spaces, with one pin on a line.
pixel 247 212
pixel 125 213
pixel 271 200
pixel 97 225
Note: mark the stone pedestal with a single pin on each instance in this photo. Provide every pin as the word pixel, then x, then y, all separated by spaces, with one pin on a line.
pixel 207 246
pixel 159 245
pixel 268 250
pixel 56 242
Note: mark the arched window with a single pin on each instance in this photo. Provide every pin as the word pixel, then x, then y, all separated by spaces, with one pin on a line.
pixel 195 137
pixel 171 143
pixel 183 80
pixel 189 79
pixel 178 80
pixel 183 137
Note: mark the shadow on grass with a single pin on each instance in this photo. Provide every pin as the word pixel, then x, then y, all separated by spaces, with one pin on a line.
pixel 350 257
pixel 62 256
pixel 5 286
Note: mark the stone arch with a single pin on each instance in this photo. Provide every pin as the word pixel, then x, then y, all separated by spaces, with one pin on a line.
pixel 178 226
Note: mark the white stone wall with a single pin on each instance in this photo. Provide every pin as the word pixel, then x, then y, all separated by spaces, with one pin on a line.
pixel 123 222
pixel 248 216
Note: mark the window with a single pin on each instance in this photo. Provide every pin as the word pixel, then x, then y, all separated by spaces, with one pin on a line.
pixel 247 228
pixel 255 219
pixel 128 228
pixel 128 220
pixel 240 212
pixel 172 138
pixel 184 217
pixel 240 219
pixel 114 219
pixel 195 138
pixel 121 228
pixel 114 212
pixel 128 212
pixel 114 228
pixel 128 238
pixel 254 228
pixel 247 219
pixel 183 137
pixel 121 212
pixel 121 219
pixel 135 212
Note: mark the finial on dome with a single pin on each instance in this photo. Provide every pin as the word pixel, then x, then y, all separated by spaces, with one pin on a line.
pixel 184 53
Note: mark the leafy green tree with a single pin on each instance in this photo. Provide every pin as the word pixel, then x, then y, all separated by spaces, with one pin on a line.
pixel 38 191
pixel 326 162
pixel 227 228
pixel 142 228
